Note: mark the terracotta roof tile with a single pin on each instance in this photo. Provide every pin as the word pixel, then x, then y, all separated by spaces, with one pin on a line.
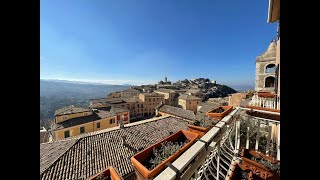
pixel 178 112
pixel 88 155
pixel 70 110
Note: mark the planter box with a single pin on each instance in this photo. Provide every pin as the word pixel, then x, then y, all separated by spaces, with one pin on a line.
pixel 109 172
pixel 247 153
pixel 264 115
pixel 236 172
pixel 260 170
pixel 138 159
pixel 199 129
pixel 219 116
pixel 263 108
pixel 266 94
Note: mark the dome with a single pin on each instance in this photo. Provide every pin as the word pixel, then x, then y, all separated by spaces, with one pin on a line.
pixel 270 54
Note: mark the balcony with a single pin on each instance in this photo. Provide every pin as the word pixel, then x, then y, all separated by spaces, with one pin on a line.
pixel 265 101
pixel 219 151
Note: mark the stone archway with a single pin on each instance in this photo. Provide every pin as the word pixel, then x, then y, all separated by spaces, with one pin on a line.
pixel 270 68
pixel 269 82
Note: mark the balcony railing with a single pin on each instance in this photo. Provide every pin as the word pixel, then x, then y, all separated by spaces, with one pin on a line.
pixel 271 103
pixel 213 155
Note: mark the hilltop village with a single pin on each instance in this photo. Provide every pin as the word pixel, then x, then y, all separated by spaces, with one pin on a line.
pixel 187 99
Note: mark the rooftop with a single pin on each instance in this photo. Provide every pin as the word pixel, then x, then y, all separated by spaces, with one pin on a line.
pixel 189 97
pixel 206 107
pixel 96 115
pixel 80 158
pixel 178 112
pixel 79 120
pixel 165 90
pixel 193 91
pixel 70 110
pixel 152 94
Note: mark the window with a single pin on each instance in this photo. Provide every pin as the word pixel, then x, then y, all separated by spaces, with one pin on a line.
pixel 112 121
pixel 81 129
pixel 190 103
pixel 271 68
pixel 64 117
pixel 149 100
pixel 98 125
pixel 154 99
pixel 66 134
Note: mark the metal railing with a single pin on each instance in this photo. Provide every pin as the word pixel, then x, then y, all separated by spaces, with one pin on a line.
pixel 272 103
pixel 212 156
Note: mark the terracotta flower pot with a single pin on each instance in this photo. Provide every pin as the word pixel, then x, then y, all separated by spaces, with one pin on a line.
pixel 263 108
pixel 236 171
pixel 260 170
pixel 247 153
pixel 199 129
pixel 219 116
pixel 263 115
pixel 145 155
pixel 110 172
pixel 266 94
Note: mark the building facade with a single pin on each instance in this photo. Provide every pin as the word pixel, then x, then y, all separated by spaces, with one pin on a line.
pixel 83 121
pixel 266 69
pixel 189 102
pixel 151 101
pixel 169 96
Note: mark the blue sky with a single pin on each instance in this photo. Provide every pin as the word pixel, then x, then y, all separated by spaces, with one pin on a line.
pixel 141 41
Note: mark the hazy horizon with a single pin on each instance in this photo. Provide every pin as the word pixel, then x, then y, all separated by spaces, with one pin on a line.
pixel 115 82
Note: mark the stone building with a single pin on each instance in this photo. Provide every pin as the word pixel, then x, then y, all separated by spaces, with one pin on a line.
pixel 189 102
pixel 169 96
pixel 266 69
pixel 72 121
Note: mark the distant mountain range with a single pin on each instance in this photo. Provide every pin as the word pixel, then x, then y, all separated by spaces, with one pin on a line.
pixel 81 82
pixel 55 94
pixel 242 87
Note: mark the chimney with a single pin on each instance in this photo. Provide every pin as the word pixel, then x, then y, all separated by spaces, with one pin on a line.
pixel 121 122
pixel 124 139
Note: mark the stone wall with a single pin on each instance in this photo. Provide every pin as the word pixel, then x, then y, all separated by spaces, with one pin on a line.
pixel 261 76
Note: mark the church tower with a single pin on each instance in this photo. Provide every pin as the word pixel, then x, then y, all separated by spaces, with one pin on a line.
pixel 266 69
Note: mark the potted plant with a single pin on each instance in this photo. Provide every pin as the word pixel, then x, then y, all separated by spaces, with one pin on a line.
pixel 239 171
pixel 219 112
pixel 201 127
pixel 263 166
pixel 108 174
pixel 151 161
pixel 263 115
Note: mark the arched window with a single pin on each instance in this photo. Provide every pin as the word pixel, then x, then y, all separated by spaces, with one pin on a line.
pixel 270 81
pixel 271 68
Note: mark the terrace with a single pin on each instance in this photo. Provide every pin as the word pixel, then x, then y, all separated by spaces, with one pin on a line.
pixel 215 154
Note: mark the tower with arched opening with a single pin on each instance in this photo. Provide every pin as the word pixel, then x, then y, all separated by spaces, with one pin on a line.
pixel 266 69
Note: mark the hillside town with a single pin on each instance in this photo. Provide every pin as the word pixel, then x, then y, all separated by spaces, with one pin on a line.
pixel 190 129
pixel 184 99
